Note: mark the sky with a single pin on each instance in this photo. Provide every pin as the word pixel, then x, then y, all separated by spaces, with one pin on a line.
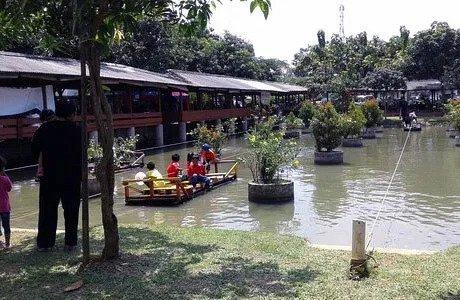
pixel 293 24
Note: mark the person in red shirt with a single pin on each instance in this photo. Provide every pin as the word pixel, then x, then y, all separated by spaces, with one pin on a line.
pixel 5 207
pixel 197 174
pixel 174 168
pixel 208 156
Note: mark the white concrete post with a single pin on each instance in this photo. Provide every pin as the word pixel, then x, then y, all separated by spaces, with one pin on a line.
pixel 244 122
pixel 159 140
pixel 131 132
pixel 182 131
pixel 93 136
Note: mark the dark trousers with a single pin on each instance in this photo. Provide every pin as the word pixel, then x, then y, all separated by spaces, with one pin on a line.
pixel 200 179
pixel 50 196
pixel 5 219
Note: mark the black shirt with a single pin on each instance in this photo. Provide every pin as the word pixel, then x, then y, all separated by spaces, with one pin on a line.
pixel 59 142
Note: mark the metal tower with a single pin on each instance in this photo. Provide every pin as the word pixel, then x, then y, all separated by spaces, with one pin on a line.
pixel 342 17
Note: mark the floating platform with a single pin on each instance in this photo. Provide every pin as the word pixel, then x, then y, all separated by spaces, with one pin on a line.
pixel 416 127
pixel 173 191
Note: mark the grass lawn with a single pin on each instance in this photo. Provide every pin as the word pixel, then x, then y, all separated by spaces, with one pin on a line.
pixel 178 263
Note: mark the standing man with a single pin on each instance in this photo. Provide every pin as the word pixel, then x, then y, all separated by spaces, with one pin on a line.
pixel 59 143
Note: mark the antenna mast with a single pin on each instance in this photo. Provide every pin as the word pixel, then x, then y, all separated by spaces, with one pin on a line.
pixel 342 17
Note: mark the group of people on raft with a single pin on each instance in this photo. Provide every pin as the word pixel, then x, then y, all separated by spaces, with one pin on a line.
pixel 197 167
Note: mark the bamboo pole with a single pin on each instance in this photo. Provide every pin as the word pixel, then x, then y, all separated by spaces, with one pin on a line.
pixel 84 155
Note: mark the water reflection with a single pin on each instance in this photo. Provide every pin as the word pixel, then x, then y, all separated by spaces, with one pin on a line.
pixel 422 209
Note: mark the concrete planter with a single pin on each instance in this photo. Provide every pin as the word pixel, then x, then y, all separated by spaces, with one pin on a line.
pixel 369 134
pixel 352 142
pixel 306 131
pixel 452 133
pixel 329 158
pixel 457 141
pixel 378 129
pixel 292 134
pixel 271 193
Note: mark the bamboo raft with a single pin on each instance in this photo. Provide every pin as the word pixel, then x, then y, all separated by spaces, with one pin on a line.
pixel 175 191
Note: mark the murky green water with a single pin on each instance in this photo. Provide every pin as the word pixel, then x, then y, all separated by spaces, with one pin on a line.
pixel 422 210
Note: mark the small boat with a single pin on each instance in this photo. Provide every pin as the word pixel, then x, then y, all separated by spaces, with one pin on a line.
pixel 414 127
pixel 175 191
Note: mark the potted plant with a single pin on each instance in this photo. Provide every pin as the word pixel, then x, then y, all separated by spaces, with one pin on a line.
pixel 214 136
pixel 454 117
pixel 373 115
pixel 327 129
pixel 292 126
pixel 268 153
pixel 352 126
pixel 452 107
pixel 306 113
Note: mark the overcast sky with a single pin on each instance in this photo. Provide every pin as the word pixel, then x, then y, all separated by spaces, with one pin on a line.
pixel 293 24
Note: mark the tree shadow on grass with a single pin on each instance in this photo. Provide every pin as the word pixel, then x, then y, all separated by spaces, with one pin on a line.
pixel 152 265
pixel 450 296
pixel 165 270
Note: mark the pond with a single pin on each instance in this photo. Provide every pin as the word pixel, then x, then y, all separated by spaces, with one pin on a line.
pixel 422 210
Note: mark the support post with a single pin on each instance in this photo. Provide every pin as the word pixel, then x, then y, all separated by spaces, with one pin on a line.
pixel 182 132
pixel 131 132
pixel 94 136
pixel 44 97
pixel 159 140
pixel 358 264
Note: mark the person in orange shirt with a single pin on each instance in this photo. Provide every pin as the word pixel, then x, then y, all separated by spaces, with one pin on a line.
pixel 208 156
pixel 197 174
pixel 174 169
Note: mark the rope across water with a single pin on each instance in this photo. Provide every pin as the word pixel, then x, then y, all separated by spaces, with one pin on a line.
pixel 371 235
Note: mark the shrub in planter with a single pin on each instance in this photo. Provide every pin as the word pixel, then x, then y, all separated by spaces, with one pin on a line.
pixel 123 151
pixel 268 153
pixel 352 126
pixel 373 115
pixel 214 136
pixel 292 125
pixel 327 129
pixel 454 117
pixel 307 112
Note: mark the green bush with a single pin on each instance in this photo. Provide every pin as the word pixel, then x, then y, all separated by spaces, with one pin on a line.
pixel 269 152
pixel 454 117
pixel 307 112
pixel 214 136
pixel 327 128
pixel 372 113
pixel 292 122
pixel 123 151
pixel 353 121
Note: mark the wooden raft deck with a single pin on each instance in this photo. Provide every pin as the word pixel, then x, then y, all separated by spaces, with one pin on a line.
pixel 172 191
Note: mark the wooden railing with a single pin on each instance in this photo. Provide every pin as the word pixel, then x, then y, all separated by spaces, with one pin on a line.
pixel 214 114
pixel 18 128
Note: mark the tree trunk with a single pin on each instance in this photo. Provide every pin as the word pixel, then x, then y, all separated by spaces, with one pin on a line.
pixel 105 169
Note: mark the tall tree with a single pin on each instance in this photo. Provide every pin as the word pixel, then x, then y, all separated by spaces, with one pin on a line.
pixel 96 26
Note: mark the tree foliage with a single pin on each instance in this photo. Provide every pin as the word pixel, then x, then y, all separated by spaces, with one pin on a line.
pixel 372 113
pixel 353 121
pixel 307 112
pixel 327 128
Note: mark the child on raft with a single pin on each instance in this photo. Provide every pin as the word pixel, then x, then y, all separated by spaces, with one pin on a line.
pixel 207 156
pixel 197 174
pixel 153 173
pixel 5 207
